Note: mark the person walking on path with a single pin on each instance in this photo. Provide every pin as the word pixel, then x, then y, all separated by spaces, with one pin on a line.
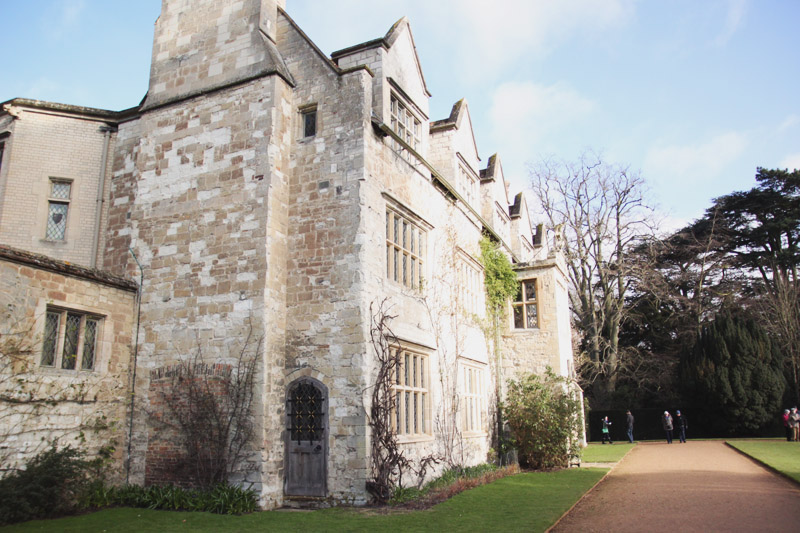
pixel 606 433
pixel 786 427
pixel 682 425
pixel 666 421
pixel 794 423
pixel 630 425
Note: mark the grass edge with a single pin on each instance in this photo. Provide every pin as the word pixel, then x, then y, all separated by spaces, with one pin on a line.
pixel 758 461
pixel 585 494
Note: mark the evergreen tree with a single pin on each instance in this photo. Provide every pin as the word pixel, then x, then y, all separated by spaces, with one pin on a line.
pixel 734 371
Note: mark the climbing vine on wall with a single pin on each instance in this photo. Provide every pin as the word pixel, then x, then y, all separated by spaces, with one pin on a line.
pixel 501 283
pixel 500 279
pixel 388 464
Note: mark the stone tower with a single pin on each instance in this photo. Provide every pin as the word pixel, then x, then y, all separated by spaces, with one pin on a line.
pixel 202 45
pixel 201 199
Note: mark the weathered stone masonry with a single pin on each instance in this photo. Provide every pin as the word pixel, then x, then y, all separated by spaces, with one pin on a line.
pixel 74 406
pixel 243 223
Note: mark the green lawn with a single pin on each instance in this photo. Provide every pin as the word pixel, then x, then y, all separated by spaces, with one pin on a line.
pixel 605 453
pixel 523 502
pixel 781 455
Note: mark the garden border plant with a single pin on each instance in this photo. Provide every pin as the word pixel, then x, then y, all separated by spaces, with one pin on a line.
pixel 544 417
pixel 58 481
pixel 501 284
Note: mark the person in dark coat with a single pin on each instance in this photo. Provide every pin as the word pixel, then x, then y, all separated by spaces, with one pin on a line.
pixel 606 432
pixel 666 421
pixel 629 417
pixel 681 425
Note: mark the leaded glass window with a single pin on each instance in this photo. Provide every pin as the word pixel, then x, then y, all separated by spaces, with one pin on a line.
pixel 309 121
pixel 526 312
pixel 71 333
pixel 306 412
pixel 473 399
pixel 70 340
pixel 405 243
pixel 50 340
pixel 411 401
pixel 404 123
pixel 89 344
pixel 58 207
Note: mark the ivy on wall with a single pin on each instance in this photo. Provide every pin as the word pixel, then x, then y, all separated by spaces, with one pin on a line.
pixel 500 279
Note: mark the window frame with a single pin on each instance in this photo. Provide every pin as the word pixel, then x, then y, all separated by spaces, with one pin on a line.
pixel 54 200
pixel 53 354
pixel 474 416
pixel 411 406
pixel 523 305
pixel 305 112
pixel 400 115
pixel 414 255
pixel 467 184
pixel 470 276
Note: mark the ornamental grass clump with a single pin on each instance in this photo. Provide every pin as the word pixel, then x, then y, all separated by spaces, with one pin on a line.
pixel 543 415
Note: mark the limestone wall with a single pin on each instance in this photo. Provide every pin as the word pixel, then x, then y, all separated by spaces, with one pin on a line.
pixel 326 313
pixel 201 45
pixel 533 350
pixel 45 145
pixel 200 196
pixel 430 319
pixel 86 409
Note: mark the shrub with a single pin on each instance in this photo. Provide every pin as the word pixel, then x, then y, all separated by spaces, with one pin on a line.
pixel 220 499
pixel 543 415
pixel 448 484
pixel 56 482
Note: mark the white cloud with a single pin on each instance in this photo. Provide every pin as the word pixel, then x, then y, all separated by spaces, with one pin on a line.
pixel 492 38
pixel 788 123
pixel 686 177
pixel 64 16
pixel 535 109
pixel 481 40
pixel 791 161
pixel 690 163
pixel 735 16
pixel 524 115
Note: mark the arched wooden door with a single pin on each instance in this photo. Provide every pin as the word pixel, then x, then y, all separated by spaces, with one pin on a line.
pixel 306 439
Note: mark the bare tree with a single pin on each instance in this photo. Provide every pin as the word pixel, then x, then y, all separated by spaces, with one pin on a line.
pixel 387 459
pixel 388 462
pixel 598 211
pixel 209 412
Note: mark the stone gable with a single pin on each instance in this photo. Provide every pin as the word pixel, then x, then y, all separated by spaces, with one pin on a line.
pixel 270 198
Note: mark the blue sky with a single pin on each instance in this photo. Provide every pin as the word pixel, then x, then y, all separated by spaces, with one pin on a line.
pixel 695 94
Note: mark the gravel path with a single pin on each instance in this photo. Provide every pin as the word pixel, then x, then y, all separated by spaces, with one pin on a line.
pixel 697 486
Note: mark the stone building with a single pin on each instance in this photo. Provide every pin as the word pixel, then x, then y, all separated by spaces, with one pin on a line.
pixel 270 199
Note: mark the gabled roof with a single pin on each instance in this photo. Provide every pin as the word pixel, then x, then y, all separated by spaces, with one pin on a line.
pixel 492 167
pixel 458 114
pixel 386 42
pixel 515 208
pixel 493 171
